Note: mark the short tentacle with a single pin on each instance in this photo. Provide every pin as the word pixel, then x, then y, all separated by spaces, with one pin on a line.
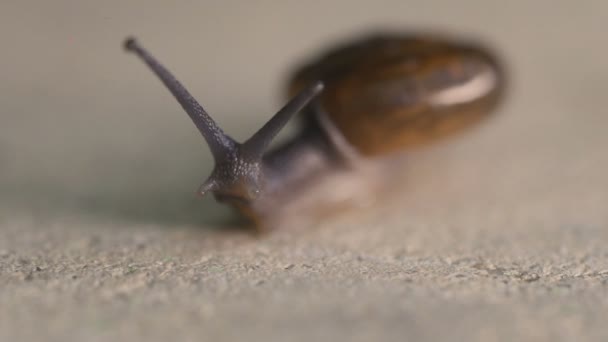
pixel 258 143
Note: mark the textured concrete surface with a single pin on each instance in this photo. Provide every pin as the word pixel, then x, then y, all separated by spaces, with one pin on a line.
pixel 498 235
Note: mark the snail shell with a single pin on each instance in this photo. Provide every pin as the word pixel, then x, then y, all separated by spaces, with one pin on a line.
pixel 389 92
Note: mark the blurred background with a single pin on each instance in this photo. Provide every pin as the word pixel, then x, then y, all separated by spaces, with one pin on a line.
pixel 88 134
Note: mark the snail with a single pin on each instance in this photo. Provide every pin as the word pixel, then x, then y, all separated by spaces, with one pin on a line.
pixel 364 104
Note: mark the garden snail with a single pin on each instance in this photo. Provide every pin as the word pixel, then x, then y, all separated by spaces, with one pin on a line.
pixel 364 104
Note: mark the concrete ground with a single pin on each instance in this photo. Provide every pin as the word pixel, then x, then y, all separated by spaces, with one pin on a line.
pixel 498 235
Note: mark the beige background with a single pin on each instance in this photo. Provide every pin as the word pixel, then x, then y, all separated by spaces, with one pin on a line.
pixel 499 235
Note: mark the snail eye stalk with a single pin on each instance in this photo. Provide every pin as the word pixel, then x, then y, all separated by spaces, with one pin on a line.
pixel 258 143
pixel 219 142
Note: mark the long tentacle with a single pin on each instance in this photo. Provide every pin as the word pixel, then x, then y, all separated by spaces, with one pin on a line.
pixel 218 141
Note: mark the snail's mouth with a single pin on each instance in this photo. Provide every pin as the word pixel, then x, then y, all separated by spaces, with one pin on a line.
pixel 231 199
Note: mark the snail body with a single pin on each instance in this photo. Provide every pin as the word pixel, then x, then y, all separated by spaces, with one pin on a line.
pixel 363 104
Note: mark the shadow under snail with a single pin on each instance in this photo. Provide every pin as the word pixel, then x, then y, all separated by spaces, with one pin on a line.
pixel 364 104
